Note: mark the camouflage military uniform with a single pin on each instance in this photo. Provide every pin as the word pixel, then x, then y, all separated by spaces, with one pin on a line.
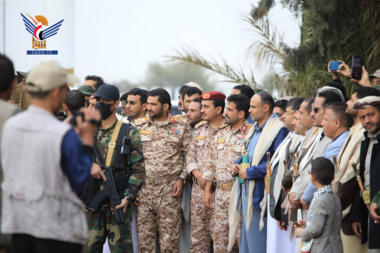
pixel 164 145
pixel 102 223
pixel 197 158
pixel 224 152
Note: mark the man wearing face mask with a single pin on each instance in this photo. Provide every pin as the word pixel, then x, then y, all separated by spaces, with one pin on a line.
pixel 129 173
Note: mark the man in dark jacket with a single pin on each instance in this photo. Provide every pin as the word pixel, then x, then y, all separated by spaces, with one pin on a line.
pixel 364 226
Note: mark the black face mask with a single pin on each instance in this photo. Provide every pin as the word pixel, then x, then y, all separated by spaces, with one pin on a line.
pixel 104 109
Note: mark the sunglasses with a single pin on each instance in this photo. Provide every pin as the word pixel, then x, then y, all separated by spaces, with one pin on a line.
pixel 315 109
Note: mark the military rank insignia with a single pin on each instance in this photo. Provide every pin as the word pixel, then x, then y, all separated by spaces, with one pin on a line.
pixel 239 140
pixel 244 128
pixel 172 131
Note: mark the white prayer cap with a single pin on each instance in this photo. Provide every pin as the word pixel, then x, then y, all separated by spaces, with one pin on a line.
pixel 367 102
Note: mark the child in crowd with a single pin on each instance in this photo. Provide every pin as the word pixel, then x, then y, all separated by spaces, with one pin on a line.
pixel 321 231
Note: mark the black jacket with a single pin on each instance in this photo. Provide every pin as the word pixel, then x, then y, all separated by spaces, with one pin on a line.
pixel 359 210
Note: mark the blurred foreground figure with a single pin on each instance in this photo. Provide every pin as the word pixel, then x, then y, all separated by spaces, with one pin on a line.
pixel 40 208
pixel 7 85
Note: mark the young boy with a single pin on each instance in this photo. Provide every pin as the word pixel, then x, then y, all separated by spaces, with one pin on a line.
pixel 321 232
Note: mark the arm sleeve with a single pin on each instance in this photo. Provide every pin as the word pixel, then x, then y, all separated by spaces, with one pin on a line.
pixel 191 157
pixel 317 223
pixel 337 80
pixel 309 193
pixel 186 141
pixel 137 164
pixel 210 169
pixel 76 161
pixel 238 161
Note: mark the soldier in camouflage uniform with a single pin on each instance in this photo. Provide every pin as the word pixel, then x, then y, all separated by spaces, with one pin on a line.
pixel 165 142
pixel 102 223
pixel 224 152
pixel 204 134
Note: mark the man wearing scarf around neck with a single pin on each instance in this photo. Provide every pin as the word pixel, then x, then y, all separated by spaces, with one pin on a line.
pixel 267 134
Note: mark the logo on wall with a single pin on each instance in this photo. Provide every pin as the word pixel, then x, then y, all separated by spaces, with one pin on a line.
pixel 40 30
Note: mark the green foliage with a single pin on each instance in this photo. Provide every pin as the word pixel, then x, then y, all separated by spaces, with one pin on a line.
pixel 330 30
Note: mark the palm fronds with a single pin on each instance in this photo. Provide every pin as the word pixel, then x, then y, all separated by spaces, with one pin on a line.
pixel 232 75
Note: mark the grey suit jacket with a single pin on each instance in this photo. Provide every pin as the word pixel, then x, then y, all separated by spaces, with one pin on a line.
pixel 325 225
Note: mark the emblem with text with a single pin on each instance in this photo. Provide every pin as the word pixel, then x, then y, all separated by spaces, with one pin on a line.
pixel 40 31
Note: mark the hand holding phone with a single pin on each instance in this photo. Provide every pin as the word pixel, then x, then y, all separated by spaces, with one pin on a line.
pixel 356 67
pixel 334 65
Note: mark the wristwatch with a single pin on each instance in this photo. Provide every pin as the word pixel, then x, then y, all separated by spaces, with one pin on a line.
pixel 183 180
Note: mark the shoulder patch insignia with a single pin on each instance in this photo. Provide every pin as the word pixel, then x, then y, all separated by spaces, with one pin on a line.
pixel 200 124
pixel 200 137
pixel 222 126
pixel 141 121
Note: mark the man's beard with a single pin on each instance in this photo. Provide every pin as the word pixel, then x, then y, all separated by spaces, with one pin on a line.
pixel 375 129
pixel 157 115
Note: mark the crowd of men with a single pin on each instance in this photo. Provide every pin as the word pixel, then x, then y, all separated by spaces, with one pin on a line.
pixel 236 173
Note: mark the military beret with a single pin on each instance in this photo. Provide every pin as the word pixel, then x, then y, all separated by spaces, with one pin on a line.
pixel 87 90
pixel 213 95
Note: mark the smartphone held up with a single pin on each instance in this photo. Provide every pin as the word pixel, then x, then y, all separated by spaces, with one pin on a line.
pixel 334 65
pixel 357 67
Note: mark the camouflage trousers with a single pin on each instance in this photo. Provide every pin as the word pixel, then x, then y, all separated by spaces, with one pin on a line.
pixel 158 212
pixel 220 222
pixel 201 222
pixel 101 225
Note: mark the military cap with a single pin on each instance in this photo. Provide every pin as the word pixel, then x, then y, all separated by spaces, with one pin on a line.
pixel 213 95
pixel 108 92
pixel 87 90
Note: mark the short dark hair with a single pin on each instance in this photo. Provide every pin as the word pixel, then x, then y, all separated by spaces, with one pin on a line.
pixel 245 90
pixel 198 100
pixel 241 102
pixel 330 96
pixel 189 91
pixel 266 98
pixel 323 170
pixel 309 107
pixel 295 103
pixel 124 97
pixel 182 89
pixel 141 92
pixel 338 86
pixel 75 100
pixel 220 103
pixel 282 103
pixel 163 96
pixel 339 110
pixel 362 92
pixel 99 81
pixel 7 73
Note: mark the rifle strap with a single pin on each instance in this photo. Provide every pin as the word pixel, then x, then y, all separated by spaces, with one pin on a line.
pixel 112 143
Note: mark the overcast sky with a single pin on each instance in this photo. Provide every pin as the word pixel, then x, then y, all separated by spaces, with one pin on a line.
pixel 118 39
